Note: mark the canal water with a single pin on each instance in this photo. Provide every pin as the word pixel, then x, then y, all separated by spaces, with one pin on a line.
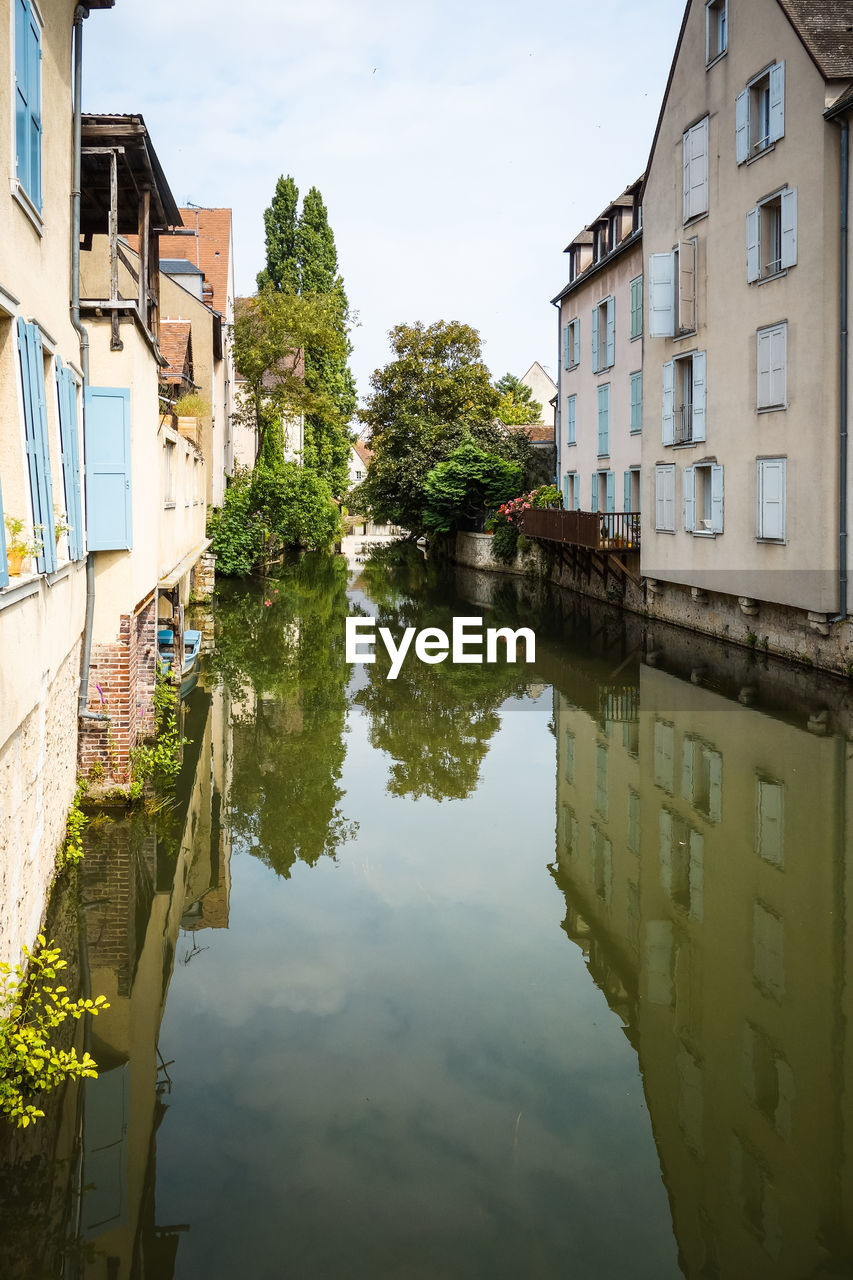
pixel 484 972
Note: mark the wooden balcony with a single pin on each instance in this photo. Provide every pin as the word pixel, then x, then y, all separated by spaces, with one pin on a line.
pixel 594 530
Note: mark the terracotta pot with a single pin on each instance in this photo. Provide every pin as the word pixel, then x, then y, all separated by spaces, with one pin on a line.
pixel 15 561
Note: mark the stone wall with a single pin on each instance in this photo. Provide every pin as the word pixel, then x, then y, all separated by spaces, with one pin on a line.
pixel 204 577
pixel 795 634
pixel 121 685
pixel 38 768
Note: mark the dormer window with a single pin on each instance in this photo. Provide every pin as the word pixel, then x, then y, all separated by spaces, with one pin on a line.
pixel 574 262
pixel 614 228
pixel 600 241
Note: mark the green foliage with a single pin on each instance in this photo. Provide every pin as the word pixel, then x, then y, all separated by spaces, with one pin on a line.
pixel 517 406
pixel 236 529
pixel 505 542
pixel 72 846
pixel 191 405
pixel 469 481
pixel 159 761
pixel 281 271
pixel 31 1008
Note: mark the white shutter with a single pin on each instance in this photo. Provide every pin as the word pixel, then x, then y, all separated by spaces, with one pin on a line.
pixel 661 295
pixel 685 175
pixel 688 749
pixel 695 170
pixel 665 825
pixel 596 323
pixel 660 508
pixel 571 419
pixel 668 414
pixel 699 396
pixel 566 342
pixel 669 498
pixel 742 126
pixel 771 498
pixel 715 786
pixel 788 200
pixel 777 101
pixel 778 364
pixel 576 341
pixel 687 286
pixel 716 499
pixel 753 245
pixel 690 499
pixel 626 491
pixel 763 368
pixel 610 332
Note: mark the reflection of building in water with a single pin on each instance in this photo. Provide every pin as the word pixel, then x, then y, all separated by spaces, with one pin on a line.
pixel 143 881
pixel 700 847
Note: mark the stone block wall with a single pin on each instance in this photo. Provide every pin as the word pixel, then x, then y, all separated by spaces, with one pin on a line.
pixel 204 576
pixel 121 685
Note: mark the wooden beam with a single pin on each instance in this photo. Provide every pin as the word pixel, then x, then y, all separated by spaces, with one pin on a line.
pixel 144 256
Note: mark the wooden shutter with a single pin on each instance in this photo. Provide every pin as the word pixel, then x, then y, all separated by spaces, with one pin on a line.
pixel 636 401
pixel 70 444
pixel 699 395
pixel 687 286
pixel 753 245
pixel 771 498
pixel 610 332
pixel 689 487
pixel 694 146
pixel 777 101
pixel 661 295
pixel 637 307
pixel 576 342
pixel 668 404
pixel 596 324
pixel 610 491
pixel 108 469
pixel 627 491
pixel 742 127
pixel 716 498
pixel 788 203
pixel 571 419
pixel 604 420
pixel 38 450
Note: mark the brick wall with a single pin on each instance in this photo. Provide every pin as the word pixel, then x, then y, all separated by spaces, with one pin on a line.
pixel 121 685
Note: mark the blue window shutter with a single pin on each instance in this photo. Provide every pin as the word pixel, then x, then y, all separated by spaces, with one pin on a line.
pixel 4 567
pixel 627 506
pixel 35 432
pixel 576 342
pixel 668 403
pixel 604 419
pixel 69 439
pixel 610 490
pixel 567 338
pixel 28 100
pixel 596 321
pixel 565 487
pixel 742 127
pixel 636 402
pixel 753 245
pixel 610 332
pixel 108 493
pixel 777 101
pixel 716 499
pixel 594 503
pixel 637 307
pixel 571 419
pixel 577 492
pixel 689 481
pixel 699 396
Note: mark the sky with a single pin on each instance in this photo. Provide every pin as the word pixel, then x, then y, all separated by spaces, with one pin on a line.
pixel 459 145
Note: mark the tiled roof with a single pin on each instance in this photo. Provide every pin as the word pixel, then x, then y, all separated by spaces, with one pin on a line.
pixel 209 249
pixel 826 29
pixel 363 450
pixel 175 346
pixel 536 431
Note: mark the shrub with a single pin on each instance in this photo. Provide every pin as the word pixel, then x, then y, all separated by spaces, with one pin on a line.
pixel 267 511
pixel 191 405
pixel 505 542
pixel 469 481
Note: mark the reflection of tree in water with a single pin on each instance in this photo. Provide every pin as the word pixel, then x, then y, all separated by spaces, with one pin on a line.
pixel 435 721
pixel 285 666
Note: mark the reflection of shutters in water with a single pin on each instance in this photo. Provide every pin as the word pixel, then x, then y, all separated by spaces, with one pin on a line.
pixel 105 1151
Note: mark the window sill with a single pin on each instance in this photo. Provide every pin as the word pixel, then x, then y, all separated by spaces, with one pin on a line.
pixel 688 333
pixel 570 444
pixel 26 584
pixel 702 533
pixel 169 506
pixel 775 276
pixel 697 217
pixel 764 152
pixel 772 542
pixel 771 408
pixel 669 531
pixel 635 431
pixel 635 337
pixel 21 198
pixel 714 61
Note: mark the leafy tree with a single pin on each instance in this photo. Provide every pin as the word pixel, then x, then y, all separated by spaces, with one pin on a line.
pixel 469 481
pixel 267 511
pixel 282 270
pixel 517 406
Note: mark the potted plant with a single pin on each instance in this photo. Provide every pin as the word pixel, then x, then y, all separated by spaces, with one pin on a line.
pixel 60 523
pixel 189 410
pixel 18 547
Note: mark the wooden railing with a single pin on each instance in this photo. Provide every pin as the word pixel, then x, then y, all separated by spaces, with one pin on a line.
pixel 598 530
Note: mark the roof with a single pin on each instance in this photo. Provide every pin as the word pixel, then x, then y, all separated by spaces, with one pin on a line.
pixel 623 201
pixel 826 30
pixel 179 267
pixel 175 345
pixel 363 450
pixel 209 248
pixel 138 167
pixel 536 432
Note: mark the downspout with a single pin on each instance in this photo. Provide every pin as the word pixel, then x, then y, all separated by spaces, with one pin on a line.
pixel 558 416
pixel 80 14
pixel 842 417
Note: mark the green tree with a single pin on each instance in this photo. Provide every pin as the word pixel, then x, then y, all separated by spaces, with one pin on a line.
pixel 267 511
pixel 469 481
pixel 282 269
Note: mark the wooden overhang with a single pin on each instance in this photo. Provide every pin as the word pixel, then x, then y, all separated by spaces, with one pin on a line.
pixel 138 170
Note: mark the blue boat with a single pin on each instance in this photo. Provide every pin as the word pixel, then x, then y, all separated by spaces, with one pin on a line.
pixel 192 653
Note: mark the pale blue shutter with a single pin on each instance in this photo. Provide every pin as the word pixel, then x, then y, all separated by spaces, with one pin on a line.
pixel 742 127
pixel 610 333
pixel 689 486
pixel 69 440
pixel 668 404
pixel 771 498
pixel 28 100
pixel 571 419
pixel 577 487
pixel 596 321
pixel 4 566
pixel 108 469
pixel 594 501
pixel 753 245
pixel 636 402
pixel 661 295
pixel 788 202
pixel 567 337
pixel 576 341
pixel 35 431
pixel 637 307
pixel 565 488
pixel 716 499
pixel 610 491
pixel 627 482
pixel 604 420
pixel 777 101
pixel 699 396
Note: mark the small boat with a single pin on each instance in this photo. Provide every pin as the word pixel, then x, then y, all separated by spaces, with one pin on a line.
pixel 192 652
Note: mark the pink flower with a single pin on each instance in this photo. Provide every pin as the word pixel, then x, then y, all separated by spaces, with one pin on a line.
pixel 268 603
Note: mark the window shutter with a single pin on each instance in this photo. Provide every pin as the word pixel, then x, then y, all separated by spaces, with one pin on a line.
pixel 771 498
pixel 687 769
pixel 577 492
pixel 687 286
pixel 4 565
pixel 665 827
pixel 696 875
pixel 715 789
pixel 576 342
pixel 565 493
pixel 742 126
pixel 69 440
pixel 567 338
pixel 35 430
pixel 661 295
pixel 28 100
pixel 610 491
pixel 571 419
pixel 694 146
pixel 659 498
pixel 689 483
pixel 627 491
pixel 108 469
pixel 610 332
pixel 763 368
pixel 699 396
pixel 604 420
pixel 778 364
pixel 668 401
pixel 788 201
pixel 594 502
pixel 753 245
pixel 669 491
pixel 596 321
pixel 777 101
pixel 637 307
pixel 636 401
pixel 716 499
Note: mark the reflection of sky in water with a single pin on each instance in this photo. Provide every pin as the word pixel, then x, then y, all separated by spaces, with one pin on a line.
pixel 396 1064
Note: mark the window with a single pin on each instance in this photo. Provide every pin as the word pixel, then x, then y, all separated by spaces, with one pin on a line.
pixel 603 491
pixel 703 498
pixel 682 855
pixel 771 235
pixel 69 440
pixel 768 963
pixel 771 485
pixel 572 344
pixel 169 474
pixel 636 402
pixel 772 367
pixel 571 491
pixel 571 420
pixel 632 489
pixel 702 778
pixel 604 335
pixel 574 263
pixel 770 821
pixel 637 307
pixel 760 113
pixel 665 499
pixel 683 406
pixel 694 159
pixel 604 420
pixel 614 228
pixel 31 357
pixel 568 830
pixel 716 30
pixel 599 242
pixel 28 100
pixel 672 291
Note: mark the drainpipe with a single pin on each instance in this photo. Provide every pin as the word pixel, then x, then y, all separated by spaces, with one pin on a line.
pixel 81 13
pixel 842 419
pixel 558 416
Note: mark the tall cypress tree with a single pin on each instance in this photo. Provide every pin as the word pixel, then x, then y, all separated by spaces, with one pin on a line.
pixel 282 269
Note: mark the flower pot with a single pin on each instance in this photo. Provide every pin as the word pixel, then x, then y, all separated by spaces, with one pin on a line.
pixel 15 560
